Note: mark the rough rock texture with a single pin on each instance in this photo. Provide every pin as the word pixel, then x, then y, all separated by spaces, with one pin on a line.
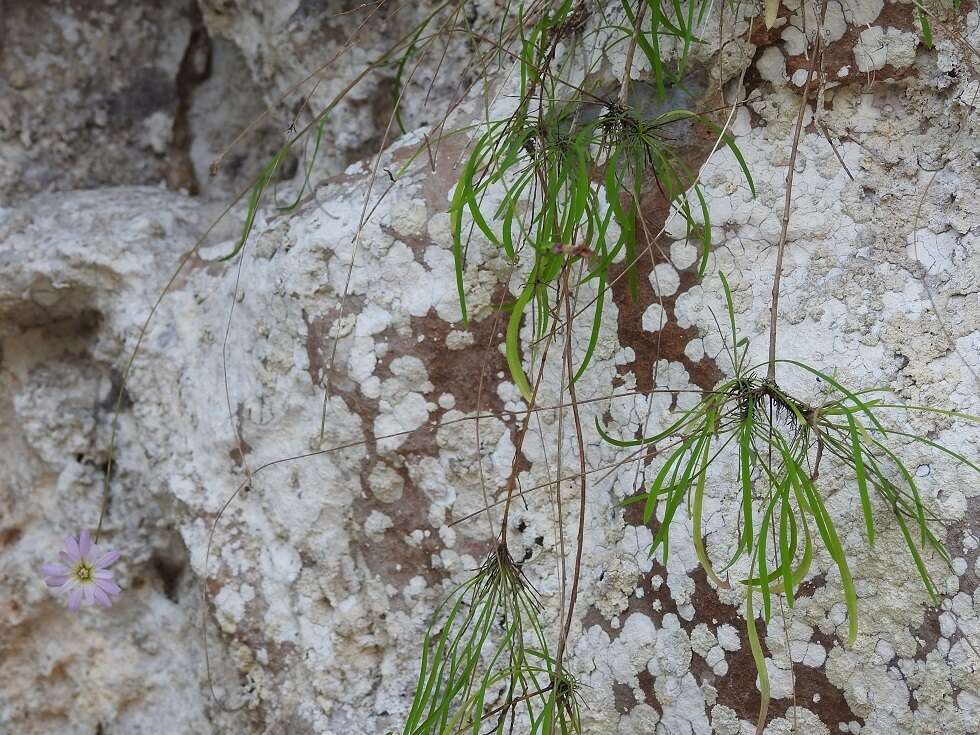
pixel 108 93
pixel 78 273
pixel 325 570
pixel 316 48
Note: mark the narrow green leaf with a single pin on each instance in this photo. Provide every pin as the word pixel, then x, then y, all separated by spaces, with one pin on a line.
pixel 862 479
pixel 513 341
pixel 760 660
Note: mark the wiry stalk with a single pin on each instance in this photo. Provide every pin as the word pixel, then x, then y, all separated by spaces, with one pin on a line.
pixel 788 200
pixel 580 538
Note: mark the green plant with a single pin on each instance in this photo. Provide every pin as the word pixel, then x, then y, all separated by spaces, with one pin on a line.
pixel 569 163
pixel 495 610
pixel 780 443
pixel 545 159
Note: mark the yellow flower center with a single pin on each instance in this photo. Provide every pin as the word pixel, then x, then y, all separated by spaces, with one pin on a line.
pixel 83 572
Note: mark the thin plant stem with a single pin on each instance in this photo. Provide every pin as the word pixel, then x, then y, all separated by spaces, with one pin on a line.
pixel 624 88
pixel 788 201
pixel 580 540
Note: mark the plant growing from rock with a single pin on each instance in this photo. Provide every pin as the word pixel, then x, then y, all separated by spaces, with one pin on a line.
pixel 544 156
pixel 780 442
pixel 565 170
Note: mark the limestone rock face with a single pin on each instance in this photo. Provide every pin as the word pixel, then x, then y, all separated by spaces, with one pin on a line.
pixel 297 440
pixel 79 273
pixel 89 93
pixel 108 93
pixel 331 43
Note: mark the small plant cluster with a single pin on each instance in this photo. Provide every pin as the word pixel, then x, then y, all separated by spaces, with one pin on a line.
pixel 547 155
pixel 496 610
pixel 554 212
pixel 780 443
pixel 571 165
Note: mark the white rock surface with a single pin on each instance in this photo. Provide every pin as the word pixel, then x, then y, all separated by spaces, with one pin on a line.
pixel 325 570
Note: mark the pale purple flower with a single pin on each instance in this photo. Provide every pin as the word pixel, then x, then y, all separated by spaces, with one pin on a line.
pixel 83 574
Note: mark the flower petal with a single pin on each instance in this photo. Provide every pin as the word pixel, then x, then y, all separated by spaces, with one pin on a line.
pixel 88 598
pixel 54 570
pixel 84 544
pixel 75 599
pixel 101 597
pixel 107 559
pixel 72 550
pixel 107 585
pixel 56 580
